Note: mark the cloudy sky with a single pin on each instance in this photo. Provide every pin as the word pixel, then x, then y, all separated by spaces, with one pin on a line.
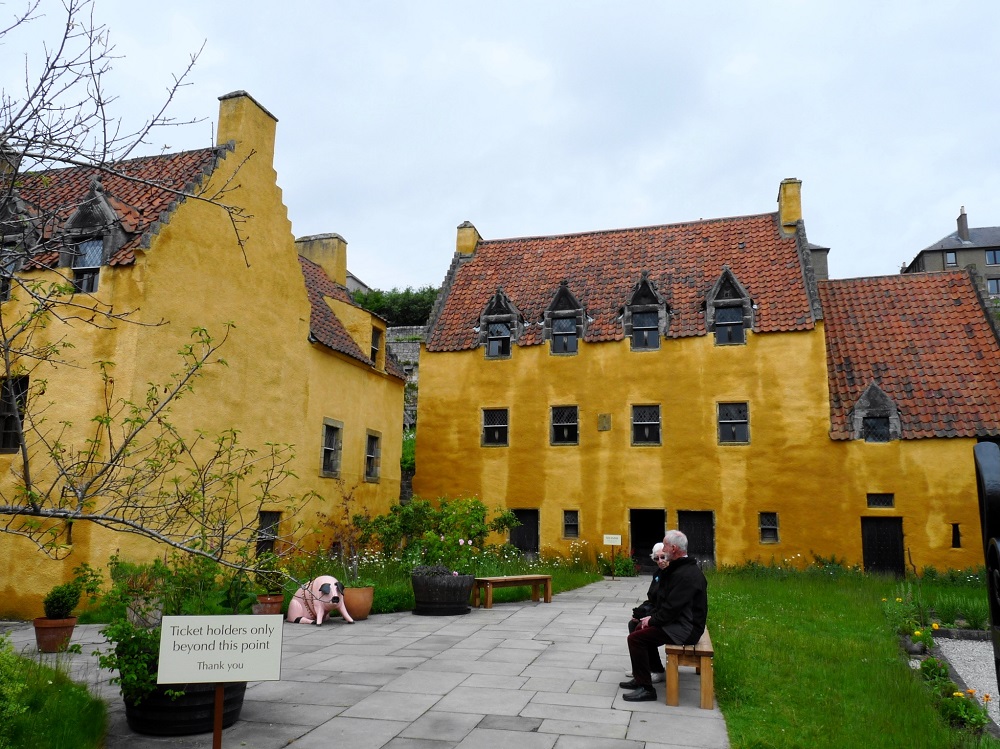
pixel 400 120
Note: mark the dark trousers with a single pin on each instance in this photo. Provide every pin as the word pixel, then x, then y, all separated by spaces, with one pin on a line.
pixel 644 651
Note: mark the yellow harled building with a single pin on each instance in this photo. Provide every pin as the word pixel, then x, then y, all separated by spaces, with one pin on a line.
pixel 304 365
pixel 708 376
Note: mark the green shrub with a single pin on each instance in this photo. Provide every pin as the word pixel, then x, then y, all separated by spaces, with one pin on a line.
pixel 61 600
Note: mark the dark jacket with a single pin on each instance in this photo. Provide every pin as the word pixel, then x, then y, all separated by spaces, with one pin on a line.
pixel 646 607
pixel 681 602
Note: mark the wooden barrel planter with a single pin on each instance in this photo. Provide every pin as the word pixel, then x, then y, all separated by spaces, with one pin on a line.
pixel 194 712
pixel 441 595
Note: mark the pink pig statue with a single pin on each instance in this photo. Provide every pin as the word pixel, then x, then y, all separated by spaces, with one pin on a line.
pixel 313 602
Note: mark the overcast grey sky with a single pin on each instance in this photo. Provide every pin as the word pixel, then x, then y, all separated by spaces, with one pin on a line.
pixel 399 120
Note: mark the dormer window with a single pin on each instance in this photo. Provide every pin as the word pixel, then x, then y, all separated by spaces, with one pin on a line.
pixel 875 417
pixel 728 310
pixel 645 316
pixel 563 322
pixel 376 345
pixel 88 256
pixel 499 326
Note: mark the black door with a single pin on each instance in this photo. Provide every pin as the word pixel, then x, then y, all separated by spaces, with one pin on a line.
pixel 525 536
pixel 646 527
pixel 699 527
pixel 882 545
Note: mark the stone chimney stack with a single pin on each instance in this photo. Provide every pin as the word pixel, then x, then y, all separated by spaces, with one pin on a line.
pixel 790 204
pixel 963 225
pixel 328 251
pixel 468 238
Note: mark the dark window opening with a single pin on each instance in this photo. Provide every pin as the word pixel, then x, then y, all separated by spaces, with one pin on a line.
pixel 875 428
pixel 956 536
pixel 565 425
pixel 564 338
pixel 373 454
pixel 645 330
pixel 332 449
pixel 729 326
pixel 376 344
pixel 734 423
pixel 645 425
pixel 571 523
pixel 881 500
pixel 498 340
pixel 495 426
pixel 768 527
pixel 88 255
pixel 267 531
pixel 13 397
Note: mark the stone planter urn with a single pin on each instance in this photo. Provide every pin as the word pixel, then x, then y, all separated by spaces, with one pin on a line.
pixel 441 594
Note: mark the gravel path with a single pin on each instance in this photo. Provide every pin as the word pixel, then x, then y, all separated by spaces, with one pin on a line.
pixel 972 662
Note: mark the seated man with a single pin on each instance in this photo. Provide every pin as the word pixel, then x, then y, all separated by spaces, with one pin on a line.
pixel 679 615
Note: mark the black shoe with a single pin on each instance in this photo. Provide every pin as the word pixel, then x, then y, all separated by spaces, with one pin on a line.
pixel 642 694
pixel 630 684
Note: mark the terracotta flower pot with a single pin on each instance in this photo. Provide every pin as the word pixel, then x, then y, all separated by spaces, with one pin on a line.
pixel 269 604
pixel 358 601
pixel 52 635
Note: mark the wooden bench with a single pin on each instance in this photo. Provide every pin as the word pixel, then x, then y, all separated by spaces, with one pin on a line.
pixel 700 656
pixel 487 584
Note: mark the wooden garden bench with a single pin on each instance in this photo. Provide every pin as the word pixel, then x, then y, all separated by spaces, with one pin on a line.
pixel 700 656
pixel 487 584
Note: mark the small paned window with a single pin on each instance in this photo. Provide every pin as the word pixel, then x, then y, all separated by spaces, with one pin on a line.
pixel 564 339
pixel 645 330
pixel 13 397
pixel 495 426
pixel 729 326
pixel 950 259
pixel 8 264
pixel 993 257
pixel 956 536
pixel 373 456
pixel 645 425
pixel 498 340
pixel 881 500
pixel 376 344
pixel 333 441
pixel 565 425
pixel 571 523
pixel 734 422
pixel 267 531
pixel 87 257
pixel 993 286
pixel 875 428
pixel 768 527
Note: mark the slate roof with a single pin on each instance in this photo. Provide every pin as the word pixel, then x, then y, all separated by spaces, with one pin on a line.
pixel 925 340
pixel 140 205
pixel 981 237
pixel 326 328
pixel 684 260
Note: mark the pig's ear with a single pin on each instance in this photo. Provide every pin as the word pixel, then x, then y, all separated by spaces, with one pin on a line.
pixel 340 587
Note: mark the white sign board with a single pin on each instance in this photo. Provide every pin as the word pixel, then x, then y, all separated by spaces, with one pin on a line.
pixel 203 649
pixel 612 540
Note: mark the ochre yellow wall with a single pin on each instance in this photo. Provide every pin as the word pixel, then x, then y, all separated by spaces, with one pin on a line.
pixel 817 486
pixel 277 386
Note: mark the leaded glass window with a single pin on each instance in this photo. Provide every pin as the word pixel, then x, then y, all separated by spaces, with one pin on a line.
pixel 734 423
pixel 495 426
pixel 645 425
pixel 565 425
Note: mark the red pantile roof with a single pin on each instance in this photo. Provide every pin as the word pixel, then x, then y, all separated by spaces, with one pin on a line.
pixel 325 327
pixel 684 260
pixel 142 196
pixel 925 340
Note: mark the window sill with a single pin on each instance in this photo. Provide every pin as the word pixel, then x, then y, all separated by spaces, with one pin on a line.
pixel 326 475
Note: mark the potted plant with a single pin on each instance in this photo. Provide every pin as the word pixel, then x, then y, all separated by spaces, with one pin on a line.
pixel 193 586
pixel 270 581
pixel 54 630
pixel 440 591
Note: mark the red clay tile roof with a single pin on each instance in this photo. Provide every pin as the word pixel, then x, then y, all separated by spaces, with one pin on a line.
pixel 925 339
pixel 602 267
pixel 57 193
pixel 326 327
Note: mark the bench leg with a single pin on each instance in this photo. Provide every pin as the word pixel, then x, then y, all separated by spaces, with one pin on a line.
pixel 535 593
pixel 548 590
pixel 673 681
pixel 489 596
pixel 475 596
pixel 707 685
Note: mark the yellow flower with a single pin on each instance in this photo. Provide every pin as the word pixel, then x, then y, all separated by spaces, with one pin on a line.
pixel 899 600
pixel 883 600
pixel 917 633
pixel 957 694
pixel 935 626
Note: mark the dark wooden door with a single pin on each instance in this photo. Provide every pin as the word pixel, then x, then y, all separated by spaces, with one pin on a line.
pixel 525 536
pixel 882 545
pixel 699 527
pixel 646 527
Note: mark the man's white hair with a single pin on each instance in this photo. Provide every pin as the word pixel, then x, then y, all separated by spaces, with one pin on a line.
pixel 678 539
